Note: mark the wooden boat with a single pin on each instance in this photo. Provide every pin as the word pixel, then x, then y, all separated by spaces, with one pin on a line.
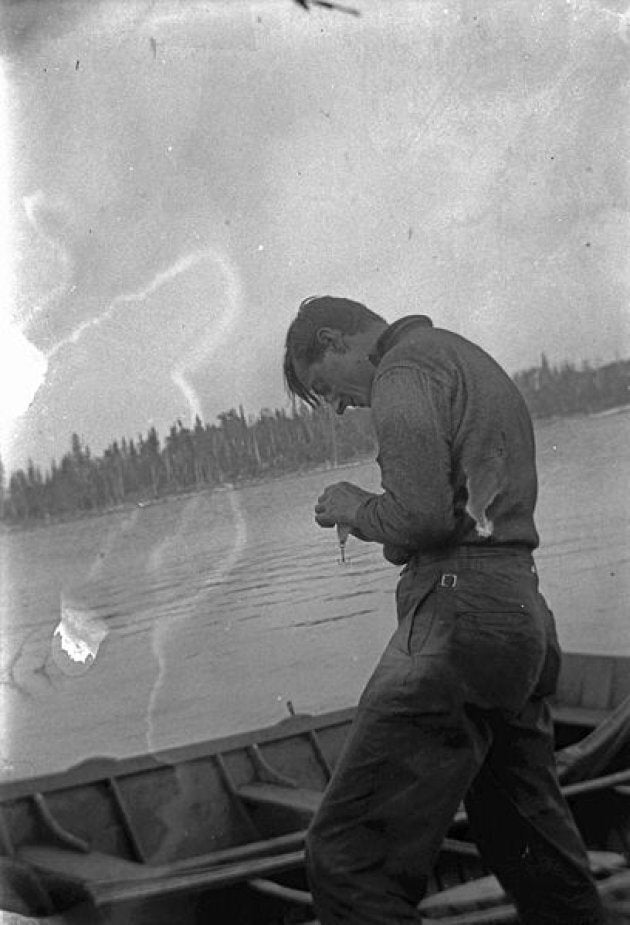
pixel 213 832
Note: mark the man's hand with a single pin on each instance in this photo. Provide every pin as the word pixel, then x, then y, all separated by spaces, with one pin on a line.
pixel 339 504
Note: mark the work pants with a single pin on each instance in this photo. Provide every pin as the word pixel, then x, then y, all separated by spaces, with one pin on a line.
pixel 455 710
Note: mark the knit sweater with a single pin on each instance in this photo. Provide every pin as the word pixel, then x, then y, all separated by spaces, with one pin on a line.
pixel 456 447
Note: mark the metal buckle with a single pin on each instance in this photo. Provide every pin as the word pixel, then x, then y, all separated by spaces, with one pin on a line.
pixel 448 580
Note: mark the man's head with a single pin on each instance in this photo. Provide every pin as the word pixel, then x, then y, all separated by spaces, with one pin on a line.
pixel 326 352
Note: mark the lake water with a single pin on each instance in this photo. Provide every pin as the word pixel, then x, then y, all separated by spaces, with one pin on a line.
pixel 214 610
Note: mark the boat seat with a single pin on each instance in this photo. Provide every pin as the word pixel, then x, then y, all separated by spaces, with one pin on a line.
pixel 304 802
pixel 105 879
pixel 16 918
pixel 613 890
pixel 588 717
pixel 487 892
pixel 300 799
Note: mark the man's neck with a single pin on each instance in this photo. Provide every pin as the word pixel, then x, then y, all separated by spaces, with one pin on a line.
pixel 367 340
pixel 391 333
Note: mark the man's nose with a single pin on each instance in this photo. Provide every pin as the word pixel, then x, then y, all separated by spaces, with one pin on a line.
pixel 339 405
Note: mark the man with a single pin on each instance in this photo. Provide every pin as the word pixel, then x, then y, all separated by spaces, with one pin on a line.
pixel 456 707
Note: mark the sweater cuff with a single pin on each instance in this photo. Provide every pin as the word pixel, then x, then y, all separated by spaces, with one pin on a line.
pixel 364 520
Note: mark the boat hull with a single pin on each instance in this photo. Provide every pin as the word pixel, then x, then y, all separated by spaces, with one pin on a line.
pixel 214 831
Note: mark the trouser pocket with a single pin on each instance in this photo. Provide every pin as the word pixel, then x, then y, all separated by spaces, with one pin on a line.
pixel 550 672
pixel 498 656
pixel 416 614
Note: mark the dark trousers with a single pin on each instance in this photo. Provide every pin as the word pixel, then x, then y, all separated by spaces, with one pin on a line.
pixel 455 710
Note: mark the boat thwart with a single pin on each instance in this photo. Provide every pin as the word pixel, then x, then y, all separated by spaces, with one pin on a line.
pixel 214 831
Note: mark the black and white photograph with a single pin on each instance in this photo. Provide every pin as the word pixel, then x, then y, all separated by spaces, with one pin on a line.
pixel 314 462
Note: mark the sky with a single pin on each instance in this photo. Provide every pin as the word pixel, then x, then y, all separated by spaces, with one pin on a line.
pixel 179 176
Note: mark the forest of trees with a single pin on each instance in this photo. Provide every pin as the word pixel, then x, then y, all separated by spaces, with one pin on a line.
pixel 237 449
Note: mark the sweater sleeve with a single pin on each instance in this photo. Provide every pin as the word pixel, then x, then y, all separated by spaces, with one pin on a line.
pixel 411 414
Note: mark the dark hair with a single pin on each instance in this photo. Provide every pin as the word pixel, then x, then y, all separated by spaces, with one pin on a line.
pixel 303 344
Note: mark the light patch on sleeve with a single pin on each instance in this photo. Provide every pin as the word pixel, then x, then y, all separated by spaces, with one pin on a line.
pixel 484 483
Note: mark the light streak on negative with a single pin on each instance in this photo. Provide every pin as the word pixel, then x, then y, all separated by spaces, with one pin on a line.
pixel 218 328
pixel 31 204
pixel 163 276
pixel 22 366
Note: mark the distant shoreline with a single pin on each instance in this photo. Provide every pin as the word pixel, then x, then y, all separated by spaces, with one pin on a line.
pixel 609 412
pixel 257 480
pixel 172 497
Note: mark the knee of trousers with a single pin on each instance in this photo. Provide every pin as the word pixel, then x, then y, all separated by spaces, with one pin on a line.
pixel 316 853
pixel 326 860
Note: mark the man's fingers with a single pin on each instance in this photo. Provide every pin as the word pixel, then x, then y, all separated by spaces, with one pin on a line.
pixel 324 521
pixel 331 488
pixel 322 517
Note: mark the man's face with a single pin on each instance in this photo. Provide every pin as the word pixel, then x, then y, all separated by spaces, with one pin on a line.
pixel 342 377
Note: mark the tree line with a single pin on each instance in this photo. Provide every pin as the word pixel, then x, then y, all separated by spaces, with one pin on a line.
pixel 566 389
pixel 189 459
pixel 237 449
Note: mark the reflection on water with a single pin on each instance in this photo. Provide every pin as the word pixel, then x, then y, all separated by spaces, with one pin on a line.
pixel 202 616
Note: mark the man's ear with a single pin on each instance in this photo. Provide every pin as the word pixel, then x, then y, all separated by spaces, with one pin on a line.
pixel 331 337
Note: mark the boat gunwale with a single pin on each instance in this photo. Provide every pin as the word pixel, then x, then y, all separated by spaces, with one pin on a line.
pixel 104 767
pixel 100 768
